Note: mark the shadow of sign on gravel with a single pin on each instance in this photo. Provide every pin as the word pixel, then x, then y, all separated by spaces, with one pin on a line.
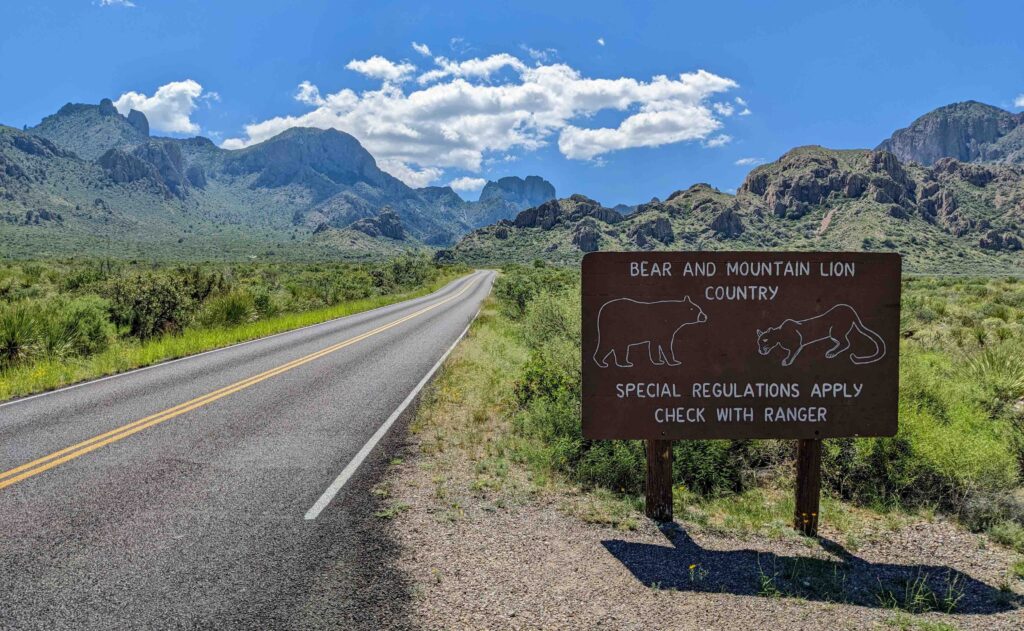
pixel 686 566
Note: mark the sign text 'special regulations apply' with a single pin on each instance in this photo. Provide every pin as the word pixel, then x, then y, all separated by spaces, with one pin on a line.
pixel 691 345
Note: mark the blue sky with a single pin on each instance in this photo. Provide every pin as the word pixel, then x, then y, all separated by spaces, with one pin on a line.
pixel 567 90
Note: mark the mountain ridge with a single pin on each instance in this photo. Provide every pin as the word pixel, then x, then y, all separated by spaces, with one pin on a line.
pixel 87 175
pixel 293 185
pixel 811 198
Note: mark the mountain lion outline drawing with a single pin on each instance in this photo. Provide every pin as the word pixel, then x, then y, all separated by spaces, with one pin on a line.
pixel 657 324
pixel 835 325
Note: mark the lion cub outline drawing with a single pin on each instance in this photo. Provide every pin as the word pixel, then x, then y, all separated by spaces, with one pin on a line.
pixel 619 328
pixel 835 325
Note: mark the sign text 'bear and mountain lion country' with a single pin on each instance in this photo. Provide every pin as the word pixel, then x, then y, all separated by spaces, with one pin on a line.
pixel 695 345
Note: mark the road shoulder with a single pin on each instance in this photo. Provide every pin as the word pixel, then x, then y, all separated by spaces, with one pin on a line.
pixel 486 540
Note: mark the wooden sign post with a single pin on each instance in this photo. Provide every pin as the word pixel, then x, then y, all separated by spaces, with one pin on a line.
pixel 658 505
pixel 731 345
pixel 808 486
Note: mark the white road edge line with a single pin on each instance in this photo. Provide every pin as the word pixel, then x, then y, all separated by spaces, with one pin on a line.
pixel 222 348
pixel 354 464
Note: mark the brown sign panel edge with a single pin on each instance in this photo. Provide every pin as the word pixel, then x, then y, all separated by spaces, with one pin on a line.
pixel 681 349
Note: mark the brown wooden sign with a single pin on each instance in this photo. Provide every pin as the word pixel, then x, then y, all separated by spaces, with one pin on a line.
pixel 693 345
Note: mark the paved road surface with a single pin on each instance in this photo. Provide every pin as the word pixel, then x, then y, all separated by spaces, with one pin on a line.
pixel 192 494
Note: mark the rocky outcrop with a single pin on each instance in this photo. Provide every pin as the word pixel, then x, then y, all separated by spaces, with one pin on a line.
pixel 39 147
pixel 521 193
pixel 801 179
pixel 569 210
pixel 139 121
pixel 42 215
pixel 976 174
pixel 107 108
pixel 123 167
pixel 386 224
pixel 196 176
pixel 727 224
pixel 645 233
pixel 810 176
pixel 1001 241
pixel 543 216
pixel 888 181
pixel 586 236
pixel 165 157
pixel 965 131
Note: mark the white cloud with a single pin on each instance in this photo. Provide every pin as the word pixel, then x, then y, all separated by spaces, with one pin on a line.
pixel 467 183
pixel 309 94
pixel 540 54
pixel 746 110
pixel 422 49
pixel 718 141
pixel 416 178
pixel 117 3
pixel 600 41
pixel 463 115
pixel 171 106
pixel 725 109
pixel 378 67
pixel 471 68
pixel 1019 101
pixel 743 162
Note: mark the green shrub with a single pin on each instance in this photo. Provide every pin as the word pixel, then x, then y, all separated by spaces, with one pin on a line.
pixel 152 304
pixel 1009 534
pixel 90 318
pixel 948 447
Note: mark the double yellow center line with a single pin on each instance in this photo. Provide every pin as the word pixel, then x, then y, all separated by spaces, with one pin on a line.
pixel 57 458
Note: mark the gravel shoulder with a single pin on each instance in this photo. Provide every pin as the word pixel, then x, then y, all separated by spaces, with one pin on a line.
pixel 484 541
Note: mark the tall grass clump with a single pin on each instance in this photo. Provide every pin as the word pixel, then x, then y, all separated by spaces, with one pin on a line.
pixel 19 338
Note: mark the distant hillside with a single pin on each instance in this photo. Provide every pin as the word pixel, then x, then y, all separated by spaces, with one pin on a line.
pixel 107 179
pixel 948 217
pixel 947 191
pixel 968 132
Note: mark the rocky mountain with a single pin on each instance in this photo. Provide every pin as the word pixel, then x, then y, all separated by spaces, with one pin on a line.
pixel 520 192
pixel 91 130
pixel 504 198
pixel 812 198
pixel 189 196
pixel 968 132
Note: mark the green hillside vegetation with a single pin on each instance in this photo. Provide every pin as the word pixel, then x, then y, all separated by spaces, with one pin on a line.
pixel 959 450
pixel 966 216
pixel 63 322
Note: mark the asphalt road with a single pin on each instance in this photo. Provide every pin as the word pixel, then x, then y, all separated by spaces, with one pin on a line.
pixel 120 507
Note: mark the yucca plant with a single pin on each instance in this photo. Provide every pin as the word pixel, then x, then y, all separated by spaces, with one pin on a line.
pixel 19 338
pixel 999 369
pixel 57 336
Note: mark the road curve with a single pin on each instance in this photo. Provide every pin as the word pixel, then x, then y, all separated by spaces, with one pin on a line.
pixel 200 493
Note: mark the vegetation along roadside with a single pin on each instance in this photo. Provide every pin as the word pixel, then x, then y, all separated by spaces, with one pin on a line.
pixel 65 322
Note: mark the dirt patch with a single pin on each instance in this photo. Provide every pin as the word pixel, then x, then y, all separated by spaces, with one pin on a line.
pixel 530 565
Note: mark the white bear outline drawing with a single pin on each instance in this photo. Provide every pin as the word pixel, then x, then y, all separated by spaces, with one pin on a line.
pixel 835 324
pixel 618 341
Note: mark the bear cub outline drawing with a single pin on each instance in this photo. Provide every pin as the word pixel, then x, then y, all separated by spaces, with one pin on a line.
pixel 835 325
pixel 653 323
